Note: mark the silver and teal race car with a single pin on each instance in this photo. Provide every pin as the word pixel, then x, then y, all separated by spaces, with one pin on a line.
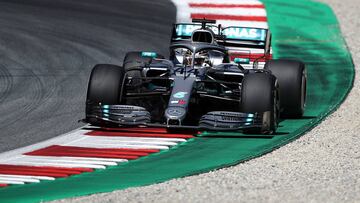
pixel 203 85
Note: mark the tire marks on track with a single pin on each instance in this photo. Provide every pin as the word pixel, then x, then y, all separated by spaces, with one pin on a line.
pixel 47 49
pixel 6 83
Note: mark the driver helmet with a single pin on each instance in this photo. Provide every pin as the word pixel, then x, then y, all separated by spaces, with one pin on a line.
pixel 187 58
pixel 201 58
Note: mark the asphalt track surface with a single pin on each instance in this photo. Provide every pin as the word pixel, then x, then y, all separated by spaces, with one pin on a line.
pixel 47 50
pixel 321 166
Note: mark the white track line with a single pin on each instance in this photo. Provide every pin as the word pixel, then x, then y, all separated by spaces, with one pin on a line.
pixel 125 146
pixel 28 176
pixel 104 140
pixel 52 163
pixel 11 182
pixel 138 138
pixel 61 158
pixel 28 180
pixel 52 159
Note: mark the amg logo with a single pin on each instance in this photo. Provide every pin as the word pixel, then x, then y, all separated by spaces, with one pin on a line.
pixel 230 118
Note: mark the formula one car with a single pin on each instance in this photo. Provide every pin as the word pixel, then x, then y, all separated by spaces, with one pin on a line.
pixel 201 86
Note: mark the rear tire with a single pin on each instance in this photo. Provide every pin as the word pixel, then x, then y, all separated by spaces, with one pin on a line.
pixel 105 87
pixel 260 94
pixel 291 75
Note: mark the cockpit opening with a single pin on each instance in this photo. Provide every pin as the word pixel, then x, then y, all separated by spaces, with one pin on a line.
pixel 202 36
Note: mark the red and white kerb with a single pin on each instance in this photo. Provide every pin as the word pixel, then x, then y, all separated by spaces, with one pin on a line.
pixel 83 151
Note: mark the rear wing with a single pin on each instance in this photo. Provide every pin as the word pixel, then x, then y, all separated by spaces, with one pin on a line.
pixel 183 31
pixel 241 37
pixel 244 35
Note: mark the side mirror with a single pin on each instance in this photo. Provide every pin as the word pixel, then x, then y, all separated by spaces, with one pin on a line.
pixel 242 60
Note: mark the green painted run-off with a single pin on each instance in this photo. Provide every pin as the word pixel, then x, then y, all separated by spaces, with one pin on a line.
pixel 301 29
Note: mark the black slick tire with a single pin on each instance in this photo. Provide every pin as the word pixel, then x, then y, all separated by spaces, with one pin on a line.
pixel 259 94
pixel 105 87
pixel 105 84
pixel 291 75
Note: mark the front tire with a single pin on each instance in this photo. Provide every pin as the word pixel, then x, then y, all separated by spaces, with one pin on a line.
pixel 105 87
pixel 291 75
pixel 260 95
